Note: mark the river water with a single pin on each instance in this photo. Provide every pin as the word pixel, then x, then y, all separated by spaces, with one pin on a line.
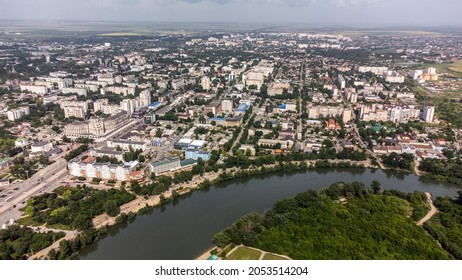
pixel 184 228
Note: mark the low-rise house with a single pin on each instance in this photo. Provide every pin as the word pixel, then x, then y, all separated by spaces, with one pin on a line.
pixel 158 142
pixel 126 145
pixel 41 147
pixel 4 182
pixel 332 124
pixel 248 147
pixel 312 145
pixel 165 165
pixel 110 152
pixel 384 150
pixel 430 154
pixel 269 143
pixel 380 150
pixel 21 142
pixel 5 162
pixel 347 144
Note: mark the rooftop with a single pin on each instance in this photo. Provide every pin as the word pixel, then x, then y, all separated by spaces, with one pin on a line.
pixel 165 161
pixel 40 144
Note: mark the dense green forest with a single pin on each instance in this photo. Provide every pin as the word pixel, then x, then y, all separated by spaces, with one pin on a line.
pixel 443 170
pixel 344 221
pixel 73 208
pixel 446 226
pixel 450 111
pixel 398 161
pixel 17 242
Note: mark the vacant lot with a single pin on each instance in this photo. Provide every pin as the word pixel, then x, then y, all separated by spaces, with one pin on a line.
pixel 457 67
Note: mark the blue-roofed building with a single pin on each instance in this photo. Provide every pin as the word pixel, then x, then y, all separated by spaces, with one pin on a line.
pixel 195 154
pixel 155 105
pixel 218 121
pixel 242 108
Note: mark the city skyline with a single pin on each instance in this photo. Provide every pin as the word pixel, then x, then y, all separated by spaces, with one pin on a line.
pixel 331 12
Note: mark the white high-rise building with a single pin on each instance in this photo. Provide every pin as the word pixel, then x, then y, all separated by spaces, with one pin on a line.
pixel 127 106
pixel 74 111
pixel 354 98
pixel 145 97
pixel 205 83
pixel 81 104
pixel 415 74
pixel 393 77
pixel 375 70
pixel 428 114
pixel 37 89
pixel 227 105
pixel 17 113
pixel 341 81
pixel 99 103
pixel 347 115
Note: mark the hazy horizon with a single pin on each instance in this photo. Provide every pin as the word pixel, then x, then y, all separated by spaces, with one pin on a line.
pixel 361 13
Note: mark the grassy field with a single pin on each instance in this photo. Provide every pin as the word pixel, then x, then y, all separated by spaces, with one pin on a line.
pixel 244 253
pixel 453 69
pixel 457 67
pixel 271 257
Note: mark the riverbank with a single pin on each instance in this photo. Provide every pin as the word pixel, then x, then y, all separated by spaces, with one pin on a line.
pixel 206 254
pixel 141 204
pixel 200 181
pixel 133 207
pixel 184 228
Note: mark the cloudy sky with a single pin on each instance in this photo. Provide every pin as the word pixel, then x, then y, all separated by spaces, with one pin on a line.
pixel 322 12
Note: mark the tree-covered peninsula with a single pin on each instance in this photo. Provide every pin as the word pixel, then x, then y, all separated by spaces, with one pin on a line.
pixel 343 221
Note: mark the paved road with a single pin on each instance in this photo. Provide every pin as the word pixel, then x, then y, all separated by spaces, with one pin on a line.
pixel 168 147
pixel 361 143
pixel 416 167
pixel 432 212
pixel 300 109
pixel 240 134
pixel 45 180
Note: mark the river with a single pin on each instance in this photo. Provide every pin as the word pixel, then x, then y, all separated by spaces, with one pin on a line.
pixel 184 228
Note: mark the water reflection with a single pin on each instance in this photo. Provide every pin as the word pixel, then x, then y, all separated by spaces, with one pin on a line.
pixel 186 229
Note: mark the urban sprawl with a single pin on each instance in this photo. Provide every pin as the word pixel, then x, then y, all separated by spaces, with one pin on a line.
pixel 110 112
